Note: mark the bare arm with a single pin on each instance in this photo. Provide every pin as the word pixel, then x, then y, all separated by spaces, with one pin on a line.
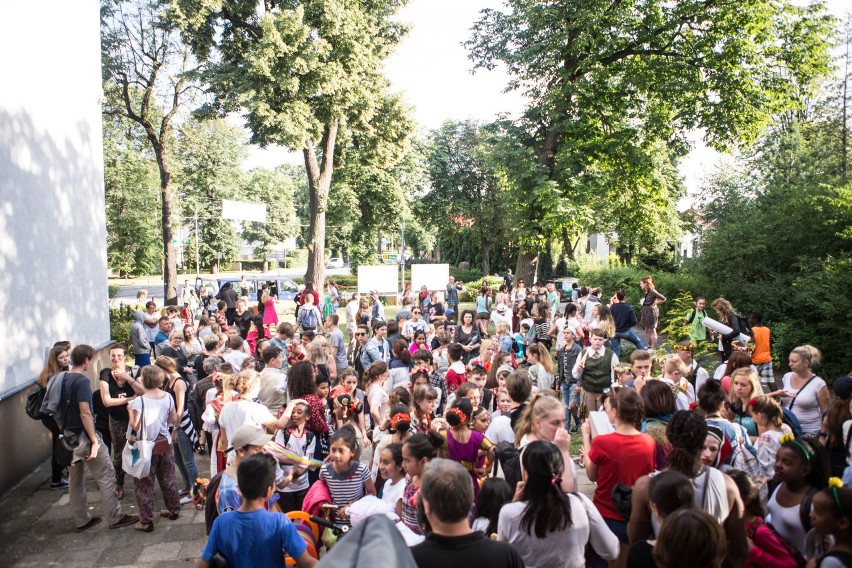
pixel 822 400
pixel 306 560
pixel 110 401
pixel 639 525
pixel 370 487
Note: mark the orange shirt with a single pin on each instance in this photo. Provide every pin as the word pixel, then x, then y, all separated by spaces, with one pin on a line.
pixel 761 345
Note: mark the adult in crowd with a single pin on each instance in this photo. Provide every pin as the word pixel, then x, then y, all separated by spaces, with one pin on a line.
pixel 544 419
pixel 377 312
pixel 624 318
pixel 336 342
pixel 57 362
pixel 547 526
pixel 650 311
pixel 376 349
pixel 695 374
pixel 467 335
pixel 230 296
pixel 803 391
pixel 836 430
pixel 139 340
pixel 184 436
pixel 622 457
pixel 728 316
pixel 273 381
pixel 151 416
pixel 453 289
pixel 117 393
pixel 75 419
pixel 659 402
pixel 444 503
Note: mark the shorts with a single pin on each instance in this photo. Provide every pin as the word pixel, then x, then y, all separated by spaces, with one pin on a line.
pixel 483 315
pixel 618 528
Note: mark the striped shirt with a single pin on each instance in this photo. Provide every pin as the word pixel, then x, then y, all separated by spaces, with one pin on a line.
pixel 345 488
pixel 409 507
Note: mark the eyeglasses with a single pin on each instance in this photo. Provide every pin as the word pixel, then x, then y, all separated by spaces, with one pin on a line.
pixel 359 334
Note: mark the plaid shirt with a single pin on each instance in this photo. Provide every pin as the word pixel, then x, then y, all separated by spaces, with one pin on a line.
pixel 440 384
pixel 452 295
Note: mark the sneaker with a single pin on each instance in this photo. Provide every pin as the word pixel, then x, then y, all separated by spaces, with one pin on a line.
pixel 61 484
pixel 125 521
pixel 185 500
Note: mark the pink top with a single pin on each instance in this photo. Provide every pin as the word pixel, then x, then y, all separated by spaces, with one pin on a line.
pixel 269 314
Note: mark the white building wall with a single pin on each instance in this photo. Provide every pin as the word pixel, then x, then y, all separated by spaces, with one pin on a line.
pixel 52 226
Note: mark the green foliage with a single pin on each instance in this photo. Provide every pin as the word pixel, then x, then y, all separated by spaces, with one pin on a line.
pixel 561 269
pixel 131 186
pixel 614 87
pixel 275 189
pixel 120 320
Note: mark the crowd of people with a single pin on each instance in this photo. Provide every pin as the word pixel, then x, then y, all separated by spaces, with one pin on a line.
pixel 458 425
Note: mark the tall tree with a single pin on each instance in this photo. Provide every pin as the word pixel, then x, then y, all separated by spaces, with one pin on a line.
pixel 211 155
pixel 610 80
pixel 303 72
pixel 145 69
pixel 131 185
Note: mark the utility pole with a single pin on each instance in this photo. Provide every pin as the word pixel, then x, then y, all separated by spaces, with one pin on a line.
pixel 402 264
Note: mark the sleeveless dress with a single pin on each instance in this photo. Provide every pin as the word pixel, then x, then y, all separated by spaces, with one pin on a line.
pixel 468 454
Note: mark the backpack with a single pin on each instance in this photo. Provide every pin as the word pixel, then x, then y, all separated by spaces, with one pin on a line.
pixel 309 437
pixel 211 508
pixel 309 319
pixel 507 463
pixel 745 327
pixel 34 402
pixel 792 421
pixel 791 550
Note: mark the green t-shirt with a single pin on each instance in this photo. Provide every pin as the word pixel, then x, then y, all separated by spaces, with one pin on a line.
pixel 695 319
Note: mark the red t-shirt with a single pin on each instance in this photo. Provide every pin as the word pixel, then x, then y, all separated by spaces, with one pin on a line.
pixel 454 380
pixel 620 459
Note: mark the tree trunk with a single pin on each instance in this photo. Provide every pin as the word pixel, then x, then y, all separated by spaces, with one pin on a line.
pixel 169 258
pixel 525 270
pixel 319 182
pixel 486 261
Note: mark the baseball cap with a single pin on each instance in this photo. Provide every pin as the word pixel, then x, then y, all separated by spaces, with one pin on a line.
pixel 842 387
pixel 248 435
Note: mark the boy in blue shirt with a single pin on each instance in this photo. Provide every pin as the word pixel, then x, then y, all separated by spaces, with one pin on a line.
pixel 251 535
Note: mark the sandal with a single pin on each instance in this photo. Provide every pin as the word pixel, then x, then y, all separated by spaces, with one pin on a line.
pixel 169 515
pixel 142 527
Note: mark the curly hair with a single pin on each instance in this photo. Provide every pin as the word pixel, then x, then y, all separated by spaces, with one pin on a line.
pixel 686 432
pixel 300 380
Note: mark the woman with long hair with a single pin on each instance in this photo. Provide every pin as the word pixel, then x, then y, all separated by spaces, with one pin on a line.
pixel 483 310
pixel 715 492
pixel 745 386
pixel 541 369
pixel 185 437
pixel 374 391
pixel 547 526
pixel 622 456
pixel 543 418
pixel 650 314
pixel 467 335
pixel 659 407
pixel 728 316
pixel 57 362
pixel 362 316
pixel 603 320
pixel 831 433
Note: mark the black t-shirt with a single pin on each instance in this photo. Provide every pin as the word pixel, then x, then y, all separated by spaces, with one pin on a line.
pixel 243 322
pixel 75 389
pixel 199 366
pixel 474 549
pixel 118 413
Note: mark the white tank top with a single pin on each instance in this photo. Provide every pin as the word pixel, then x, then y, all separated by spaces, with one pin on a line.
pixel 786 521
pixel 711 495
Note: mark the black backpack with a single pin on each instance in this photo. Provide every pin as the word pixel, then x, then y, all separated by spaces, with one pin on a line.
pixel 211 509
pixel 34 400
pixel 745 327
pixel 508 459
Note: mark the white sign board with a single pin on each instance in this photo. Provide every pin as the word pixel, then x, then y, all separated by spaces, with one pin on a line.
pixel 383 278
pixel 434 276
pixel 243 211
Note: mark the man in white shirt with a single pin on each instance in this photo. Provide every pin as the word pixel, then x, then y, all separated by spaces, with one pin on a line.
pixel 413 325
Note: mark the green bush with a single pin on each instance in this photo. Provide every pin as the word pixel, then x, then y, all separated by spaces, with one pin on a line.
pixel 120 320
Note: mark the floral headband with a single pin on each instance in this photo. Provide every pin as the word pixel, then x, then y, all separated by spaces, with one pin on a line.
pixel 742 346
pixel 835 483
pixel 461 416
pixel 475 365
pixel 684 347
pixel 788 438
pixel 398 419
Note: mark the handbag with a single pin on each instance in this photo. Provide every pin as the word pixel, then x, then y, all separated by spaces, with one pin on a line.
pixel 137 452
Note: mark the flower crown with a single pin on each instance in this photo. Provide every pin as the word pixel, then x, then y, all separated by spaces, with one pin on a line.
pixel 742 346
pixel 684 347
pixel 476 365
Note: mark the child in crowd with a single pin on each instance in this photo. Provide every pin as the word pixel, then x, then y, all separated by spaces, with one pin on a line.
pixel 251 535
pixel 424 403
pixel 494 494
pixel 478 375
pixel 416 453
pixel 419 342
pixel 504 403
pixel 456 374
pixel 399 430
pixel 768 417
pixel 464 445
pixel 801 467
pixel 391 470
pixel 767 549
pixel 348 384
pixel 466 390
pixel 832 515
pixel 301 441
pixel 348 479
pixel 422 359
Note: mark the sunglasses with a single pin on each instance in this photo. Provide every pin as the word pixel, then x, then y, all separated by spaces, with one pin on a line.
pixel 358 334
pixel 417 313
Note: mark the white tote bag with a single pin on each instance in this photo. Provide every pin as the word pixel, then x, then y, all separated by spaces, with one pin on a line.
pixel 136 456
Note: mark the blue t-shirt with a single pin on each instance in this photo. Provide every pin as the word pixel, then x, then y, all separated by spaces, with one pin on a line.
pixel 258 538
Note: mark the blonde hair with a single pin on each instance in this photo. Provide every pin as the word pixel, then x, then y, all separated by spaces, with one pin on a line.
pixel 540 405
pixel 674 363
pixel 810 353
pixel 503 327
pixel 316 353
pixel 244 381
pixel 543 355
pixel 752 377
pixel 487 344
pixel 152 377
pixel 723 307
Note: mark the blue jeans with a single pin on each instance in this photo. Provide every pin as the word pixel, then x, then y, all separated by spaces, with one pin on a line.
pixel 629 336
pixel 571 399
pixel 142 359
pixel 185 459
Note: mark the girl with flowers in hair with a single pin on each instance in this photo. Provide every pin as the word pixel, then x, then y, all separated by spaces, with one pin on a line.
pixel 547 526
pixel 399 430
pixel 831 514
pixel 464 445
pixel 801 467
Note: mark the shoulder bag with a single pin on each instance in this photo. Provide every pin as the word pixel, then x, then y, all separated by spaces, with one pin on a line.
pixel 136 456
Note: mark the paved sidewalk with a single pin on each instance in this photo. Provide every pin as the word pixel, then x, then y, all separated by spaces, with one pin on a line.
pixel 36 530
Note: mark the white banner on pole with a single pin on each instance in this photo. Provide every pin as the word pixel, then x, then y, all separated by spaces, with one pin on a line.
pixel 243 211
pixel 383 278
pixel 434 276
